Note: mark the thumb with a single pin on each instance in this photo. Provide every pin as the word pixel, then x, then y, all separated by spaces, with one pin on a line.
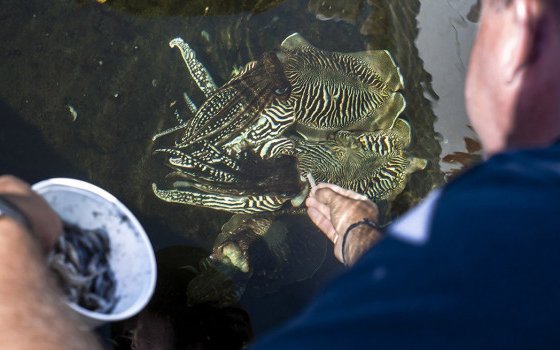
pixel 325 196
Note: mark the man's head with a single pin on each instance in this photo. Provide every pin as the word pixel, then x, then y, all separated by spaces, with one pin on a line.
pixel 513 82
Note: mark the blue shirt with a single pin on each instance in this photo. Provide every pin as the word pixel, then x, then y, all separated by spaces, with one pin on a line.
pixel 476 265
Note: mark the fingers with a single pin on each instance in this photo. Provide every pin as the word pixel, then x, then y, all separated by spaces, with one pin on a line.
pixel 325 210
pixel 323 223
pixel 339 190
pixel 333 209
pixel 325 195
pixel 320 215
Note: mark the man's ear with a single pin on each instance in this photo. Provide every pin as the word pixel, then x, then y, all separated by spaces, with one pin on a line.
pixel 524 43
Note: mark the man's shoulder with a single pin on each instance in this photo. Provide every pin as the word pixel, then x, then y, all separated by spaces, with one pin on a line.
pixel 521 183
pixel 513 194
pixel 530 174
pixel 521 168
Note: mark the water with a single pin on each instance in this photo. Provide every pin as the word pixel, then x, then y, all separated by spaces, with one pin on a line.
pixel 444 45
pixel 86 85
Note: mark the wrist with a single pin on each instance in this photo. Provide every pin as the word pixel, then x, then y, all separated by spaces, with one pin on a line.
pixel 358 238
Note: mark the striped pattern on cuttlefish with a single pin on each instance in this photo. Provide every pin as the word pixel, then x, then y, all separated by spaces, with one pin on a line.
pixel 250 145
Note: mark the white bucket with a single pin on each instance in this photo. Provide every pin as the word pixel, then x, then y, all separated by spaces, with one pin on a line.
pixel 132 257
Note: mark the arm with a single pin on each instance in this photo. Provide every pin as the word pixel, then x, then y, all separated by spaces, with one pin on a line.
pixel 347 218
pixel 32 311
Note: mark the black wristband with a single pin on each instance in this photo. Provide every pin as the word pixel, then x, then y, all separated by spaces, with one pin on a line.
pixel 366 222
pixel 7 208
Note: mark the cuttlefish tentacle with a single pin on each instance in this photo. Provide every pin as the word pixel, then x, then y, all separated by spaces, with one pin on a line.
pixel 200 75
pixel 235 204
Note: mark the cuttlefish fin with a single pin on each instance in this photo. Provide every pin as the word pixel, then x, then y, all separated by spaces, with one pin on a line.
pixel 416 164
pixel 295 41
pixel 402 129
pixel 382 63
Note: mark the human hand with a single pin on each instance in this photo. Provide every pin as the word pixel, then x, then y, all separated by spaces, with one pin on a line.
pixel 45 223
pixel 333 209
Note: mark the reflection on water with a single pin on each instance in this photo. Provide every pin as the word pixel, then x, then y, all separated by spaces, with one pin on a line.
pixel 444 46
pixel 463 160
pixel 115 70
pixel 345 10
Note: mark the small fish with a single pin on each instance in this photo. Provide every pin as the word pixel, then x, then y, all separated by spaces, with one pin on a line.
pixel 80 260
pixel 73 112
pixel 72 255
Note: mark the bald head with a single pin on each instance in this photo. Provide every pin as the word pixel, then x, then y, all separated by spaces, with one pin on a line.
pixel 513 82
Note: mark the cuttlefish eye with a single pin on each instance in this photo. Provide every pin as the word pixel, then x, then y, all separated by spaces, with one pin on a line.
pixel 281 91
